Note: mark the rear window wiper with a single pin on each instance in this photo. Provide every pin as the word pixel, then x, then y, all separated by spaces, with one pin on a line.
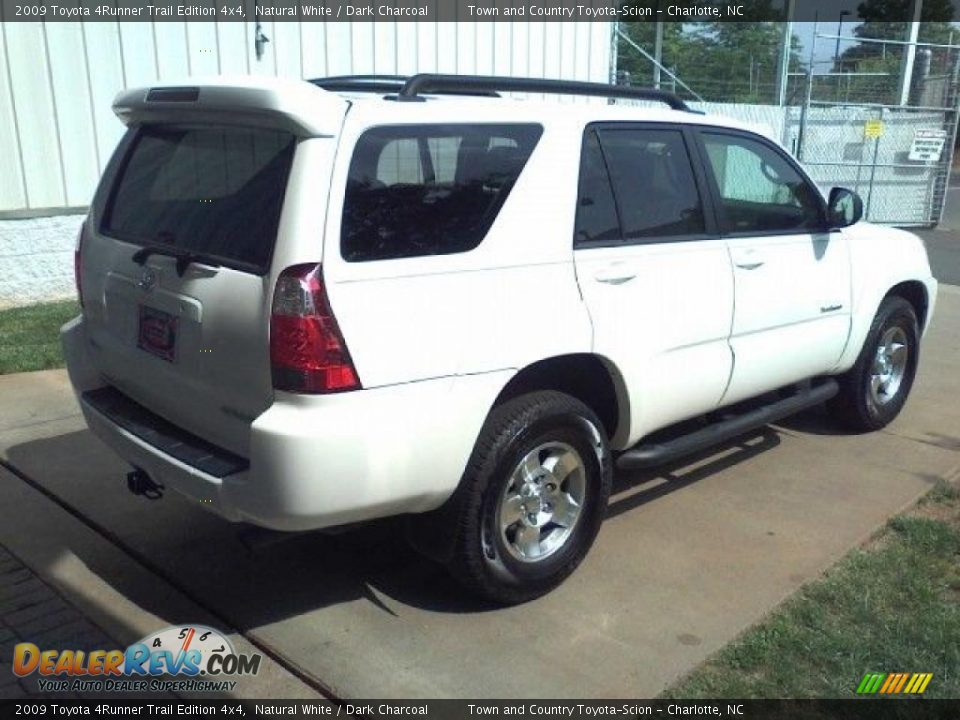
pixel 183 257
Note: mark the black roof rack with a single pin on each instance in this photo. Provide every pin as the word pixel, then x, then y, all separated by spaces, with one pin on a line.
pixel 409 88
pixel 429 83
pixel 385 84
pixel 361 83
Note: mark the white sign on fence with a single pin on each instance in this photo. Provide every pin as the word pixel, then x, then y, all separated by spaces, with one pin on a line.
pixel 927 145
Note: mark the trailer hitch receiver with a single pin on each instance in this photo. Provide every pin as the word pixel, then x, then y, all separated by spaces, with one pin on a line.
pixel 140 483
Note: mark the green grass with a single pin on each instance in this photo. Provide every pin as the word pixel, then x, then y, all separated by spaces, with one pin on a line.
pixel 29 336
pixel 892 606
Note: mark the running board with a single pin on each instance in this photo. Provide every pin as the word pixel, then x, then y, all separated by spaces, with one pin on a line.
pixel 648 455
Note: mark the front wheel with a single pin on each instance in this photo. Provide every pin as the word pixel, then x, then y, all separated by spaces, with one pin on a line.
pixel 533 497
pixel 874 390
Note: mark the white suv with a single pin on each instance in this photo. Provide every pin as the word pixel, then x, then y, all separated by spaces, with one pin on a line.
pixel 308 305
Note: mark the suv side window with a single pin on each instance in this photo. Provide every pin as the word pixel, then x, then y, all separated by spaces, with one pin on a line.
pixel 759 190
pixel 653 183
pixel 415 190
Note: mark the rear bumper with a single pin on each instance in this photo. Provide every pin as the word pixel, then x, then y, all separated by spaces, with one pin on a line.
pixel 314 461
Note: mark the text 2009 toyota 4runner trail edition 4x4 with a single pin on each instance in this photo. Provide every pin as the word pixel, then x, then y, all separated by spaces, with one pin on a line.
pixel 315 304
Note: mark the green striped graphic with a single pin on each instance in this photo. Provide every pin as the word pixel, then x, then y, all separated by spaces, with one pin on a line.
pixel 871 683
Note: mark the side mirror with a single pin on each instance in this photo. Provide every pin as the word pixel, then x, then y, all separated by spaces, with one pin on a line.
pixel 844 208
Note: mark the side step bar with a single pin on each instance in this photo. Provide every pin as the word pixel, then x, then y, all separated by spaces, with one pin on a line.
pixel 650 454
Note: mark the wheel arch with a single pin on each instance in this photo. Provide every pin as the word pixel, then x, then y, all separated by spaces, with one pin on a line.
pixel 913 290
pixel 915 293
pixel 592 379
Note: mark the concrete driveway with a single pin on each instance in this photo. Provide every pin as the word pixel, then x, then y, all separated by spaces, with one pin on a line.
pixel 689 557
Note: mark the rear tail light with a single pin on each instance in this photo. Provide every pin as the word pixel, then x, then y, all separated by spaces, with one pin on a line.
pixel 78 262
pixel 307 350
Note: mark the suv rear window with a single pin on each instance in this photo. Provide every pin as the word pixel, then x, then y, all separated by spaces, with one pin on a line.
pixel 430 189
pixel 211 190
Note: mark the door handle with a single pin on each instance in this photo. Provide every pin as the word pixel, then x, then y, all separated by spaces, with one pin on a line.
pixel 747 258
pixel 614 276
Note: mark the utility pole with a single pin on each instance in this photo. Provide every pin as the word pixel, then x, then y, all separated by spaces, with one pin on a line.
pixel 783 70
pixel 804 110
pixel 658 52
pixel 614 51
pixel 910 51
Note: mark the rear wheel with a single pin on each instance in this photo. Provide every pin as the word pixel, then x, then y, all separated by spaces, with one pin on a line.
pixel 533 497
pixel 874 390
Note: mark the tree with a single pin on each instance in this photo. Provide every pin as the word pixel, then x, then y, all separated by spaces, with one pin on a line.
pixel 888 20
pixel 720 61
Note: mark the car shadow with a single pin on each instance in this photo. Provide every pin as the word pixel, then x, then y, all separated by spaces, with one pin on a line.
pixel 249 579
pixel 635 488
pixel 813 421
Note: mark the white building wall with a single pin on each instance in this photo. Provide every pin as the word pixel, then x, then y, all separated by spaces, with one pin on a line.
pixel 58 80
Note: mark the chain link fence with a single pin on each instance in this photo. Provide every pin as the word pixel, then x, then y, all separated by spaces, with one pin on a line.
pixel 852 120
pixel 897 158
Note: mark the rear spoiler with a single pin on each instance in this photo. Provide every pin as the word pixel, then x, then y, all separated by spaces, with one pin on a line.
pixel 292 105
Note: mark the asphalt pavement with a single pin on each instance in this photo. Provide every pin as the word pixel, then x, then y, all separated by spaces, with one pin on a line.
pixel 943 243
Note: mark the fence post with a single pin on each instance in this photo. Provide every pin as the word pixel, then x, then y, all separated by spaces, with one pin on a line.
pixel 873 168
pixel 951 119
pixel 808 95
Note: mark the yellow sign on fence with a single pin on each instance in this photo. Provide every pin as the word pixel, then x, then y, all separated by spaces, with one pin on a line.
pixel 873 129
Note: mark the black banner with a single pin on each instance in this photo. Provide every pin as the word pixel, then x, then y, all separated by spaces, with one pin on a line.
pixel 642 11
pixel 865 708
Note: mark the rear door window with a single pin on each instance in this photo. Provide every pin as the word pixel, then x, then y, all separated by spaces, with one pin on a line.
pixel 429 189
pixel 212 190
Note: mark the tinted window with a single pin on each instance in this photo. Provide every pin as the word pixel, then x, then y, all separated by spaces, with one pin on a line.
pixel 654 184
pixel 214 190
pixel 760 191
pixel 429 190
pixel 596 211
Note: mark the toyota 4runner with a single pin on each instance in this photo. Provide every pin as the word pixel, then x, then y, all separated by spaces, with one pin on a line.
pixel 308 305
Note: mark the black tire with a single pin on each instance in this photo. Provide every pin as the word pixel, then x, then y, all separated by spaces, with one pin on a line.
pixel 856 407
pixel 530 426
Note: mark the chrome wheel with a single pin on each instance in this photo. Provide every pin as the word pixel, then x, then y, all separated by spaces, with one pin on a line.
pixel 542 501
pixel 889 365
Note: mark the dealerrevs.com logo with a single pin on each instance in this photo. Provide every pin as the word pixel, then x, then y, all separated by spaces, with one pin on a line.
pixel 180 658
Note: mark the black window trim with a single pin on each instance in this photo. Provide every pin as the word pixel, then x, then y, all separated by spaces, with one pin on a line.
pixel 711 225
pixel 700 130
pixel 585 244
pixel 132 141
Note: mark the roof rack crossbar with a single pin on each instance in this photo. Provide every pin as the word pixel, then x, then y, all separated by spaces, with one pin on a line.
pixel 417 85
